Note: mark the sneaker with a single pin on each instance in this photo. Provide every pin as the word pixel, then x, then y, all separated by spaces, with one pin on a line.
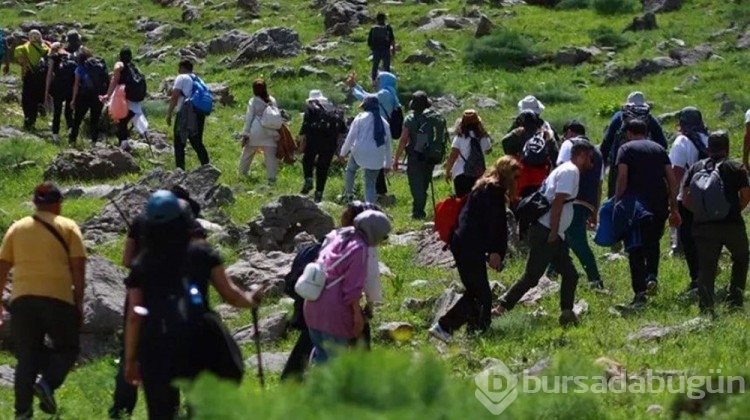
pixel 318 196
pixel 596 284
pixel 652 286
pixel 46 397
pixel 307 187
pixel 568 318
pixel 438 332
pixel 56 138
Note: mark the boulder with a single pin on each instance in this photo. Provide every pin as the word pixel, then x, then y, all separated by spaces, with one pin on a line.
pixel 227 42
pixel 692 56
pixel 445 104
pixel 647 22
pixel 7 376
pixel 484 27
pixel 265 269
pixel 444 303
pixel 283 219
pixel 419 58
pixel 444 22
pixel 93 191
pixel 194 52
pixel 145 24
pixel 271 328
pixel 272 362
pixel 342 62
pixel 661 6
pixel 645 67
pixel 148 54
pixel 165 33
pixel 269 43
pixel 484 101
pixel 104 296
pixel 305 71
pixel 743 42
pixel 430 253
pixel 88 165
pixel 221 93
pixel 575 56
pixel 190 13
pixel 351 13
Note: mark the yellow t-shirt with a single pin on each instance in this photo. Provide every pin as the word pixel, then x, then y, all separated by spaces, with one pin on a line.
pixel 33 53
pixel 40 265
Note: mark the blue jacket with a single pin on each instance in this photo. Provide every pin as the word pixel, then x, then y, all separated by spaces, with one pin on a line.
pixel 621 221
pixel 609 144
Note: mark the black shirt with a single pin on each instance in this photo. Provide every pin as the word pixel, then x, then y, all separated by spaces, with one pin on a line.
pixel 734 179
pixel 482 224
pixel 647 179
pixel 136 231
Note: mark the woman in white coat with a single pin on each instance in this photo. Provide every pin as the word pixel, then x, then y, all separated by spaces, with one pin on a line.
pixel 255 136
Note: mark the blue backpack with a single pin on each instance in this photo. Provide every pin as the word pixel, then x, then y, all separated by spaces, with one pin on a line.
pixel 201 98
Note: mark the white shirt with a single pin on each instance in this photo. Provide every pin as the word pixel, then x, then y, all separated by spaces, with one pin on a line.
pixel 747 117
pixel 463 144
pixel 361 143
pixel 684 154
pixel 184 84
pixel 373 287
pixel 563 180
pixel 564 155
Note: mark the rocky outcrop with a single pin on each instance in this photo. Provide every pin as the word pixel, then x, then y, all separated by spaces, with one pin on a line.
pixel 269 43
pixel 88 165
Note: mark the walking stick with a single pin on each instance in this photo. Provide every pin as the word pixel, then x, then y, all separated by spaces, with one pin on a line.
pixel 124 217
pixel 432 189
pixel 257 347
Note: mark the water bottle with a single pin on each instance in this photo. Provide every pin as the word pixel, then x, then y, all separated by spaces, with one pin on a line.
pixel 195 295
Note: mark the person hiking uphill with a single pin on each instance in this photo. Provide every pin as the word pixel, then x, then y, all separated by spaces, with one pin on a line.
pixel 466 162
pixel 168 332
pixel 182 89
pixel 481 239
pixel 31 56
pixel 385 85
pixel 127 73
pixel 382 44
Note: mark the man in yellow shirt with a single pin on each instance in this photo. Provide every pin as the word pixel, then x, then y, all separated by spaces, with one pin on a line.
pixel 48 259
pixel 29 55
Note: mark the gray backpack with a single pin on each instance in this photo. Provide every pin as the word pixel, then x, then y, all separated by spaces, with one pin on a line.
pixel 708 202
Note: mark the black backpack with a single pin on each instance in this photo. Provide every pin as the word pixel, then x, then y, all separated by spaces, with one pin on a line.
pixel 135 83
pixel 65 72
pixel 306 255
pixel 396 122
pixel 474 164
pixel 326 121
pixel 380 36
pixel 535 152
pixel 628 113
pixel 699 146
pixel 97 80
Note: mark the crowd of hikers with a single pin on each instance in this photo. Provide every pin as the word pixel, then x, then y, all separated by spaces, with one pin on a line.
pixel 546 190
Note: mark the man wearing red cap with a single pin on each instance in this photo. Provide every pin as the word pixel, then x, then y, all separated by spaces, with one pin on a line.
pixel 48 259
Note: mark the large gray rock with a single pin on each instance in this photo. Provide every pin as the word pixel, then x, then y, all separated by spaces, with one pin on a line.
pixel 95 164
pixel 269 43
pixel 575 56
pixel 692 56
pixel 190 13
pixel 227 42
pixel 165 32
pixel 104 296
pixel 444 303
pixel 351 13
pixel 266 270
pixel 430 252
pixel 221 93
pixel 484 27
pixel 286 217
pixel 445 104
pixel 7 376
pixel 661 6
pixel 645 67
pixel 93 191
pixel 271 328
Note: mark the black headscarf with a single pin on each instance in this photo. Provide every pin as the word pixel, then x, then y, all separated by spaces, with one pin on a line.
pixel 691 124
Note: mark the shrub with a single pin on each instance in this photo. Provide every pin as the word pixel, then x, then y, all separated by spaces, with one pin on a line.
pixel 573 4
pixel 604 36
pixel 556 94
pixel 504 49
pixel 614 7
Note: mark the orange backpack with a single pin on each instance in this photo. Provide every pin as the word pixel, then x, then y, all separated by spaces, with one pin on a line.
pixel 446 216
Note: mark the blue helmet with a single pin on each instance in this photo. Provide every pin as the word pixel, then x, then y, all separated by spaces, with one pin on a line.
pixel 163 206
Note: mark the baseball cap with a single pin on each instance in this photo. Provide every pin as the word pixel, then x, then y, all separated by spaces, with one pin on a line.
pixel 47 193
pixel 163 206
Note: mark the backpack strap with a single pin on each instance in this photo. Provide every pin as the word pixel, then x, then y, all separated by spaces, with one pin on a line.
pixel 54 233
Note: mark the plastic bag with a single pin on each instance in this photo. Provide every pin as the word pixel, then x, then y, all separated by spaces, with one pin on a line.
pixel 118 105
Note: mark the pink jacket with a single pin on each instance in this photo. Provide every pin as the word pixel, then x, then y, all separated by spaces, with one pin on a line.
pixel 332 313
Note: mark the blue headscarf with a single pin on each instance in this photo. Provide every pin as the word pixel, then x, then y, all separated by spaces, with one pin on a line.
pixel 387 81
pixel 372 105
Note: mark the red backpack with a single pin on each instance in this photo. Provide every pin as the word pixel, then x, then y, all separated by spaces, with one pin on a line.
pixel 446 217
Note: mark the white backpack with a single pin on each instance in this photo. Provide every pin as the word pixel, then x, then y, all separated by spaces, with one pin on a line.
pixel 311 283
pixel 271 118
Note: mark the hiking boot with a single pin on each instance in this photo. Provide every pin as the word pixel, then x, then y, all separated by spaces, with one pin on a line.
pixel 318 196
pixel 438 332
pixel 568 318
pixel 307 187
pixel 652 286
pixel 46 397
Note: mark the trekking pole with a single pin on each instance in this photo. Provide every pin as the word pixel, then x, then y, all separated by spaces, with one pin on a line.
pixel 148 141
pixel 432 189
pixel 124 217
pixel 257 347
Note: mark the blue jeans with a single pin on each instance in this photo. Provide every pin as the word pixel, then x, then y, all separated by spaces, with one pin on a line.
pixel 371 177
pixel 326 345
pixel 377 57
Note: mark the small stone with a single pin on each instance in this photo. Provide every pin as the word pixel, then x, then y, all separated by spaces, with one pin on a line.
pixel 419 284
pixel 654 409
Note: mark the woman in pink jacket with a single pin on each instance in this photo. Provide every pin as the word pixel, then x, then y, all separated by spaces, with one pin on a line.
pixel 336 318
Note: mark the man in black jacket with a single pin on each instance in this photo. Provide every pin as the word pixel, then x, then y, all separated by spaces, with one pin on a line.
pixel 382 44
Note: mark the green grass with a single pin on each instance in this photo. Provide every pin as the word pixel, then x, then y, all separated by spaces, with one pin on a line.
pixel 440 383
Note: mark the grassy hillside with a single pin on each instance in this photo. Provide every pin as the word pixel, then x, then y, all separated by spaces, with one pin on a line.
pixel 439 387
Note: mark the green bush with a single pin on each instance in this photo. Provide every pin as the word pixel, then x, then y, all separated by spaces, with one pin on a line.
pixel 573 4
pixel 604 36
pixel 504 49
pixel 614 7
pixel 556 94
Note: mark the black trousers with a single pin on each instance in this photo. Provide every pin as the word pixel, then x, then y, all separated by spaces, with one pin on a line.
pixel 710 240
pixel 162 360
pixel 299 357
pixel 122 127
pixel 60 102
pixel 541 255
pixel 688 244
pixel 32 96
pixel 196 142
pixel 644 260
pixel 317 157
pixel 125 396
pixel 474 307
pixel 86 104
pixel 612 181
pixel 381 188
pixel 463 184
pixel 33 318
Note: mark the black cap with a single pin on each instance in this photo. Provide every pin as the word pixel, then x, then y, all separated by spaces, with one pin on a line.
pixel 718 142
pixel 576 126
pixel 47 193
